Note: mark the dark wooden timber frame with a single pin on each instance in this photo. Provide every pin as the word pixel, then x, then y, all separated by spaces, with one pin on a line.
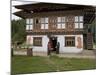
pixel 53 10
pixel 45 9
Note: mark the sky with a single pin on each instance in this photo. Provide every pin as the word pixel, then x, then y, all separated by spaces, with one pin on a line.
pixel 14 3
pixel 21 2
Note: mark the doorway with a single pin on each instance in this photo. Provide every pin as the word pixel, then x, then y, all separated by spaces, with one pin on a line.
pixel 52 45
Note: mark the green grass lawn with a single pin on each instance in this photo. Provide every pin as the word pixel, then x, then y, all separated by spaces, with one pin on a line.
pixel 35 64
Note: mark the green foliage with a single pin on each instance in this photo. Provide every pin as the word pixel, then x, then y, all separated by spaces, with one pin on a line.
pixel 18 32
pixel 93 29
pixel 25 45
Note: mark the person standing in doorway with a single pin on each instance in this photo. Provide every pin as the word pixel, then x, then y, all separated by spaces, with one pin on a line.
pixel 50 47
pixel 57 47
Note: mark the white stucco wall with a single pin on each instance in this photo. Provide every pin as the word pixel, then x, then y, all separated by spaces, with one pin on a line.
pixel 64 49
pixel 61 40
pixel 42 48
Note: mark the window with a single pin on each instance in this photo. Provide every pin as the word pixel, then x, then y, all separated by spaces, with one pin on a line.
pixel 42 26
pixel 42 20
pixel 27 27
pixel 31 21
pixel 81 18
pixel 27 21
pixel 76 18
pixel 37 41
pixel 46 26
pixel 29 24
pixel 59 19
pixel 76 25
pixel 81 25
pixel 44 23
pixel 78 22
pixel 61 22
pixel 70 41
pixel 46 20
pixel 63 25
pixel 59 26
pixel 63 19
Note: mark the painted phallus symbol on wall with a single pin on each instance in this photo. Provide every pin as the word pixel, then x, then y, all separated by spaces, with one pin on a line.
pixel 79 42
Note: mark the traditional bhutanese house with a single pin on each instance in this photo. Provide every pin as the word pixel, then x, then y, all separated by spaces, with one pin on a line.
pixel 67 24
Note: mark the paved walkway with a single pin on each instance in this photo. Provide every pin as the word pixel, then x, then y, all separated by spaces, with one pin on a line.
pixel 83 54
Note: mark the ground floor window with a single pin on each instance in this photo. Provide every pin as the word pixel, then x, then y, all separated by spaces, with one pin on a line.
pixel 37 41
pixel 69 41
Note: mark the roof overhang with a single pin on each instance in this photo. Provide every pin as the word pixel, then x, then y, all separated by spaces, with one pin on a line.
pixel 30 9
pixel 51 6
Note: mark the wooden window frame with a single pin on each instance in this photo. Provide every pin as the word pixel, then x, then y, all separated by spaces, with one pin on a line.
pixel 79 22
pixel 29 24
pixel 44 23
pixel 70 41
pixel 37 41
pixel 61 22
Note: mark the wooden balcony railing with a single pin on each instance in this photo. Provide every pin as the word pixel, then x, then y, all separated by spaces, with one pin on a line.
pixel 62 31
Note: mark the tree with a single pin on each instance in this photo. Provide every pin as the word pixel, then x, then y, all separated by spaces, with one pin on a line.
pixel 93 30
pixel 18 33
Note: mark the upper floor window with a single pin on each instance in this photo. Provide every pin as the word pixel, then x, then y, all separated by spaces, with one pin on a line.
pixel 80 18
pixel 61 22
pixel 76 19
pixel 44 23
pixel 78 22
pixel 29 24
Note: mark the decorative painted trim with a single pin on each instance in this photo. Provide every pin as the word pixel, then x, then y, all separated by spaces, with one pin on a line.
pixel 79 42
